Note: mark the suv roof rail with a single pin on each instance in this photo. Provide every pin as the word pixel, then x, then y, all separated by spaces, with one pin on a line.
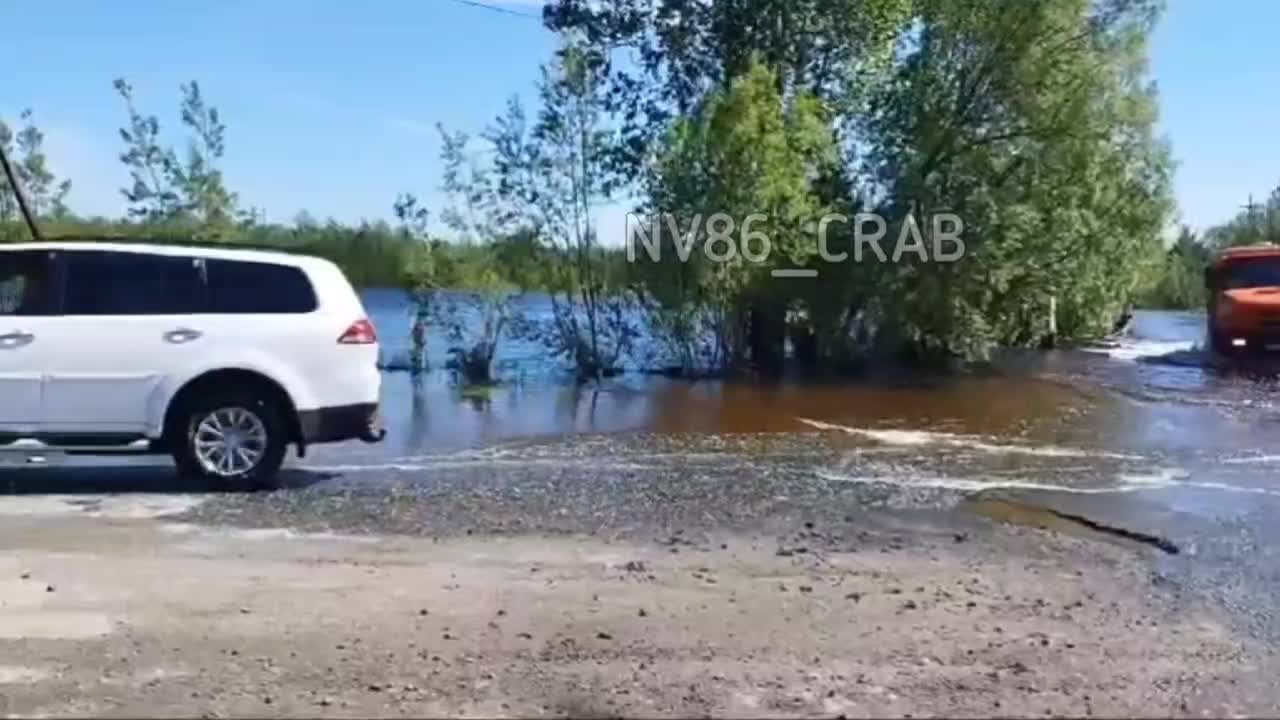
pixel 299 248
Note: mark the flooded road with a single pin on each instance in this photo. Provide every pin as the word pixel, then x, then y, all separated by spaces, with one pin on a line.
pixel 1146 414
pixel 1076 532
pixel 1142 442
pixel 1145 437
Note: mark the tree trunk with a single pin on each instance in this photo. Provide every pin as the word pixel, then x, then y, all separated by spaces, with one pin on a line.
pixel 767 336
pixel 804 340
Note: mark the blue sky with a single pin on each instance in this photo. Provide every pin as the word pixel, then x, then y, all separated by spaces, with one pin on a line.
pixel 331 105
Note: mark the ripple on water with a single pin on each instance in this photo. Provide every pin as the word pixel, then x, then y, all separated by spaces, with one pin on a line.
pixel 970 442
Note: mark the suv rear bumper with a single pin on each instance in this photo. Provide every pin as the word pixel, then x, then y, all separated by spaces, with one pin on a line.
pixel 335 424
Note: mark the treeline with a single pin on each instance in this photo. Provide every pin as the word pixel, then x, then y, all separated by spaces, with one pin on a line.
pixel 372 255
pixel 186 201
pixel 1179 284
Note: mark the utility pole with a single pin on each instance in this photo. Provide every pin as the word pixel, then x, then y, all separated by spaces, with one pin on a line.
pixel 1268 229
pixel 1270 210
pixel 1250 207
pixel 20 195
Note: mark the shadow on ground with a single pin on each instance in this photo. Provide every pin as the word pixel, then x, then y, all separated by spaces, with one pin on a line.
pixel 100 480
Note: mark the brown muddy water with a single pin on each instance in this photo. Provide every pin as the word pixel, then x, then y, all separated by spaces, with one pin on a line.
pixel 1134 432
pixel 1151 395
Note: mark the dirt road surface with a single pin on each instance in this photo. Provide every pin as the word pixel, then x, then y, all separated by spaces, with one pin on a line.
pixel 111 607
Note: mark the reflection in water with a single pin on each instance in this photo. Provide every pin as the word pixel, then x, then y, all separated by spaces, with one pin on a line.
pixel 418 426
pixel 479 403
pixel 1007 407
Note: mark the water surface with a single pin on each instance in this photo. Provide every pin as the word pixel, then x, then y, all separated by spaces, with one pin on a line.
pixel 1146 414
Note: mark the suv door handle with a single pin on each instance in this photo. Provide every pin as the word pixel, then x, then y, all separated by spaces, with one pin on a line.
pixel 14 340
pixel 182 335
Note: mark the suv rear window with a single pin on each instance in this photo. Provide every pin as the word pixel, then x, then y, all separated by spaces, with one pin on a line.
pixel 112 283
pixel 26 283
pixel 238 287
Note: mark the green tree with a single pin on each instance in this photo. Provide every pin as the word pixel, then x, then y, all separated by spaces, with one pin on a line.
pixel 45 191
pixel 165 188
pixel 478 317
pixel 662 57
pixel 420 271
pixel 751 156
pixel 1034 123
pixel 152 193
pixel 1179 283
pixel 550 180
pixel 205 196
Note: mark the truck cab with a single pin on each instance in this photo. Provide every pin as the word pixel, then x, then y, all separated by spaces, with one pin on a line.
pixel 1243 287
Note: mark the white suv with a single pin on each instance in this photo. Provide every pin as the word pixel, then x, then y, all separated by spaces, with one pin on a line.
pixel 219 357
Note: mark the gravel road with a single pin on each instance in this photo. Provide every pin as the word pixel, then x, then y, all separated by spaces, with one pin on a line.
pixel 109 612
pixel 627 576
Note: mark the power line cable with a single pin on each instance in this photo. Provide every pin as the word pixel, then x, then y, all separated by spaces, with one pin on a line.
pixel 497 8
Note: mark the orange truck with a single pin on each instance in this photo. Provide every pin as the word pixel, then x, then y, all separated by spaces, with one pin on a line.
pixel 1243 285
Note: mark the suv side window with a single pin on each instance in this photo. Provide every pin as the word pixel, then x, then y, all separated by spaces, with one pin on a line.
pixel 239 287
pixel 26 283
pixel 121 283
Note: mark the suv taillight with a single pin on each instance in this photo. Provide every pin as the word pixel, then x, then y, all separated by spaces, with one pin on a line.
pixel 361 332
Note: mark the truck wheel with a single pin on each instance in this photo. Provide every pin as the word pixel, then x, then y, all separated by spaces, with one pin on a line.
pixel 231 438
pixel 1218 342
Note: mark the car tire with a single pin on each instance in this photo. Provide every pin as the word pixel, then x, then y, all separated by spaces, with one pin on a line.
pixel 255 428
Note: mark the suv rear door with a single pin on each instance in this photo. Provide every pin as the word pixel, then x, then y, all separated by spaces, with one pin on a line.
pixel 27 297
pixel 292 317
pixel 128 320
pixel 262 310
